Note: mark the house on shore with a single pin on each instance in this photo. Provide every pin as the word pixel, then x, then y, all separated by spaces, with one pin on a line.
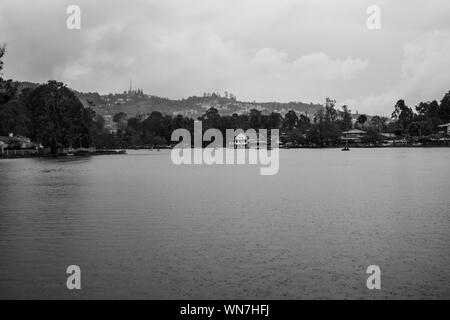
pixel 446 128
pixel 241 141
pixel 13 143
pixel 353 136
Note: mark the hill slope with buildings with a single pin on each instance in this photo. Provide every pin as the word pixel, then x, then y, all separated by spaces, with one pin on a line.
pixel 137 103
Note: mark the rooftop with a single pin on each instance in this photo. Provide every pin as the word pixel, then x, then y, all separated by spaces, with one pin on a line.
pixel 354 131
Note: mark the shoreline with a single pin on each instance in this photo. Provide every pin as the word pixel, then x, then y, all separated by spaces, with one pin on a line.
pixel 77 154
pixel 123 151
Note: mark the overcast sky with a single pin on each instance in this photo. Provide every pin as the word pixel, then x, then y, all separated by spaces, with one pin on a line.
pixel 263 50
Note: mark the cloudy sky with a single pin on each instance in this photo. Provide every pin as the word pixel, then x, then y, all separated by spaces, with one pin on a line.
pixel 263 50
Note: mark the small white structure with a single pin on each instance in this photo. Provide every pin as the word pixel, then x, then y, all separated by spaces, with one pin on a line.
pixel 240 141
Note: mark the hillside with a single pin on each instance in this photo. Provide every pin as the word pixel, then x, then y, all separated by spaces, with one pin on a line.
pixel 136 102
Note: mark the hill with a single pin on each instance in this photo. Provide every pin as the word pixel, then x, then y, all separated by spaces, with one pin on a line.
pixel 137 103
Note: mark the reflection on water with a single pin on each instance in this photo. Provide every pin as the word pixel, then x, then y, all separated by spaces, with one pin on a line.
pixel 140 227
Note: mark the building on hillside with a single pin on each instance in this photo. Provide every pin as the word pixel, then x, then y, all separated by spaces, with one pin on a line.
pixel 353 136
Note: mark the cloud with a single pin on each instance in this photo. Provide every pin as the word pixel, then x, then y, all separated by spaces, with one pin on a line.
pixel 281 78
pixel 310 66
pixel 425 66
pixel 424 75
pixel 183 63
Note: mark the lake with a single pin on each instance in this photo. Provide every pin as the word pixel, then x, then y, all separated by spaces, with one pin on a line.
pixel 140 227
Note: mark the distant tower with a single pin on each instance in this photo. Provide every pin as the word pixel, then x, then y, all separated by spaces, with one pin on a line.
pixel 131 87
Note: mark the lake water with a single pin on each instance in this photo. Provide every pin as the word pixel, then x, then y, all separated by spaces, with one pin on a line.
pixel 140 227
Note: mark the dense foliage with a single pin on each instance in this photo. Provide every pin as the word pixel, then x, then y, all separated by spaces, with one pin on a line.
pixel 50 115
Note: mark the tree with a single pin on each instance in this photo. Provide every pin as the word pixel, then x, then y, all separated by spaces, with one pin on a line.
pixel 58 118
pixel 134 132
pixel 378 123
pixel 326 124
pixel 255 119
pixel 331 114
pixel 290 120
pixel 14 118
pixel 444 108
pixel 296 136
pixel 403 115
pixel 159 141
pixel 7 88
pixel 13 114
pixel 183 122
pixel 2 53
pixel 318 130
pixel 346 119
pixel 372 136
pixel 210 119
pixel 152 126
pixel 99 122
pixel 134 124
pixel 274 121
pixel 119 117
pixel 362 118
pixel 420 126
pixel 303 123
pixel 428 117
pixel 121 121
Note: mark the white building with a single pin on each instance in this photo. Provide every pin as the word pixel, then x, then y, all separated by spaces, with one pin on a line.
pixel 240 141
